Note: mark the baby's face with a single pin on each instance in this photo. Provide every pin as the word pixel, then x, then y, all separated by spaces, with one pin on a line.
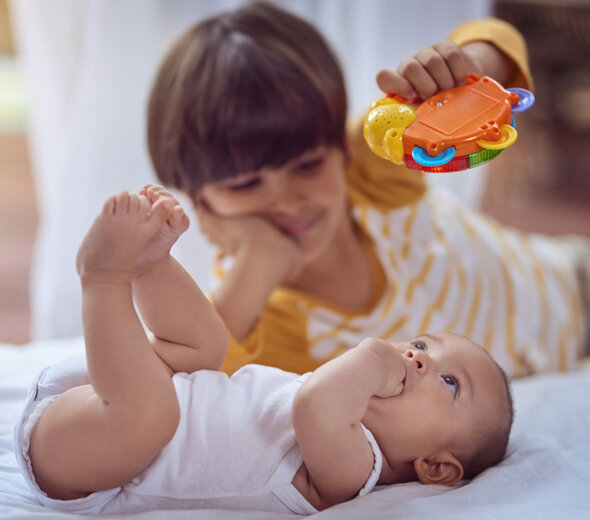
pixel 452 390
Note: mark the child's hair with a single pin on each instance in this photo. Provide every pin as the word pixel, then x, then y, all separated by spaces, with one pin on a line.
pixel 246 89
pixel 492 444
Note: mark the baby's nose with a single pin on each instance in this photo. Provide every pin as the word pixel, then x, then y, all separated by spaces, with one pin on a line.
pixel 419 359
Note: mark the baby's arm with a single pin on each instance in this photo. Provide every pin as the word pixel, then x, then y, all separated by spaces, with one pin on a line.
pixel 327 414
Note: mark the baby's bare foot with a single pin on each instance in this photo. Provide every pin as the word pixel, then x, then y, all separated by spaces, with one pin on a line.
pixel 119 234
pixel 176 222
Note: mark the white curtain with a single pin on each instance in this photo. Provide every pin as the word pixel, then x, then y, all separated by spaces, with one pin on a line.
pixel 89 65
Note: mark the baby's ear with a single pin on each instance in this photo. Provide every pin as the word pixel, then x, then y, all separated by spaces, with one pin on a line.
pixel 443 469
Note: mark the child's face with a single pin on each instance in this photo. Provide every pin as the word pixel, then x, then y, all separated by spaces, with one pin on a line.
pixel 453 391
pixel 304 199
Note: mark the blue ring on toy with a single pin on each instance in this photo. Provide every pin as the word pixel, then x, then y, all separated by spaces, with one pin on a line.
pixel 421 157
pixel 526 99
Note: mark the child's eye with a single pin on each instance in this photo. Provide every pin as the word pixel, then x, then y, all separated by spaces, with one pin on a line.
pixel 245 185
pixel 452 384
pixel 309 166
pixel 420 345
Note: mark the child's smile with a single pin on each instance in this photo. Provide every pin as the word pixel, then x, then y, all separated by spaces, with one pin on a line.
pixel 304 199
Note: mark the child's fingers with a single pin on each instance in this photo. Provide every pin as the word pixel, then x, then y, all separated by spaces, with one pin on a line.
pixel 432 69
pixel 418 76
pixel 454 58
pixel 437 68
pixel 392 82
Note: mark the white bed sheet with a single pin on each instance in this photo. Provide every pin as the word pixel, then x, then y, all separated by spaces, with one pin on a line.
pixel 545 475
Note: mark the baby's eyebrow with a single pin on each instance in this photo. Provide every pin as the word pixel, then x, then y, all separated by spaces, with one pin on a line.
pixel 463 372
pixel 470 384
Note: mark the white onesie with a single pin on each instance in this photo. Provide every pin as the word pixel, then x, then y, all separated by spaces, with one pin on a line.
pixel 234 447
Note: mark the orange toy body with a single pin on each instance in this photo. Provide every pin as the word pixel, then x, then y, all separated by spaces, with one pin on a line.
pixel 460 117
pixel 453 130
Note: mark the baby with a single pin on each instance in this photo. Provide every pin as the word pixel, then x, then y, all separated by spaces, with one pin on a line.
pixel 151 423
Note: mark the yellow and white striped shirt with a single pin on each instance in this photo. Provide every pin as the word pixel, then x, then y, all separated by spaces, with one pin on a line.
pixel 438 266
pixel 445 268
pixel 449 268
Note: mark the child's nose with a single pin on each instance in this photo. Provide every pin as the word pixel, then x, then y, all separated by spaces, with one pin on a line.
pixel 286 193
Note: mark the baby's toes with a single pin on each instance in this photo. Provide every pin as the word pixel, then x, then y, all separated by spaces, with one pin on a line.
pixel 161 208
pixel 144 205
pixel 134 203
pixel 121 205
pixel 178 220
pixel 110 205
pixel 155 192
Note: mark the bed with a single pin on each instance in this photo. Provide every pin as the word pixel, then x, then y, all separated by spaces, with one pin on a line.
pixel 546 473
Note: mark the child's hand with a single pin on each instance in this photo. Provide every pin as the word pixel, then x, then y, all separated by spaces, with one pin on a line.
pixel 235 235
pixel 432 69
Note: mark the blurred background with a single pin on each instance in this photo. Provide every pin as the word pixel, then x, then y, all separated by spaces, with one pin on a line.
pixel 74 80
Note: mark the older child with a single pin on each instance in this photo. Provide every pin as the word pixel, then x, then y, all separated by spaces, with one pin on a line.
pixel 324 242
pixel 153 426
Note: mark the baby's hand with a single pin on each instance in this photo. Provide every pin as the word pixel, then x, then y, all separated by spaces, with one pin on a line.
pixel 434 68
pixel 392 365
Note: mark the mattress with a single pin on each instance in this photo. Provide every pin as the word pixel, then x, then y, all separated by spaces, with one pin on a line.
pixel 546 473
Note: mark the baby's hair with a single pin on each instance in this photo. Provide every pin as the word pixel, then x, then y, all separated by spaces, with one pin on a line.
pixel 492 444
pixel 246 89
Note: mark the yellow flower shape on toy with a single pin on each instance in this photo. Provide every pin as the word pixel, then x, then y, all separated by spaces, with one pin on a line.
pixel 384 127
pixel 507 138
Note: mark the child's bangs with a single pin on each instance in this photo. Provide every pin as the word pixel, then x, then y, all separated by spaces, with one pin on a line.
pixel 269 113
pixel 272 126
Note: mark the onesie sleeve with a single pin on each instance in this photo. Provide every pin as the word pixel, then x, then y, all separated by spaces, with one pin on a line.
pixel 377 465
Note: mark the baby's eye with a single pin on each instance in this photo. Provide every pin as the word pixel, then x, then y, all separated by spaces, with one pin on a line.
pixel 420 345
pixel 452 384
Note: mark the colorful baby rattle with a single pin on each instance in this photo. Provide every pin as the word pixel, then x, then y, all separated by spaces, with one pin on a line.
pixel 453 130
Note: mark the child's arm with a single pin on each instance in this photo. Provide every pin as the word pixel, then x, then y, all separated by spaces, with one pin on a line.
pixel 327 413
pixel 489 47
pixel 263 259
pixel 443 66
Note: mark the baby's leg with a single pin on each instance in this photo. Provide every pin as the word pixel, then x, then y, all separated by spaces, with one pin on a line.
pixel 100 436
pixel 84 444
